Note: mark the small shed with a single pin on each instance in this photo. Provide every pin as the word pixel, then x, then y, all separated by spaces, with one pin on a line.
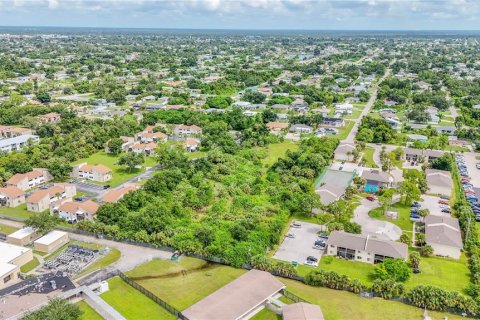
pixel 51 241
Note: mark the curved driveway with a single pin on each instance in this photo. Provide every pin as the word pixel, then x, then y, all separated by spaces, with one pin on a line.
pixel 375 228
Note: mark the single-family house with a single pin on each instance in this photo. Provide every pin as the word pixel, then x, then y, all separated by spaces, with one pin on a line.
pixel 97 172
pixel 364 248
pixel 51 117
pixel 344 108
pixel 330 193
pixel 148 149
pixel 333 122
pixel 11 197
pixel 276 127
pixel 376 180
pixel 448 130
pixel 301 129
pixel 443 234
pixel 344 152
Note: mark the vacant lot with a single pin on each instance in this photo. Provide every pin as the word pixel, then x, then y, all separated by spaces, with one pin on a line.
pixel 131 303
pixel 183 283
pixel 119 173
pixel 278 150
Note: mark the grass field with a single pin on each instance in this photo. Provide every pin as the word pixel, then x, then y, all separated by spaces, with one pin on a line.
pixel 131 303
pixel 103 262
pixel 343 133
pixel 403 221
pixel 183 283
pixel 119 173
pixel 444 273
pixel 278 150
pixel 88 312
pixel 6 229
pixel 341 305
pixel 368 155
pixel 18 212
pixel 266 314
pixel 30 265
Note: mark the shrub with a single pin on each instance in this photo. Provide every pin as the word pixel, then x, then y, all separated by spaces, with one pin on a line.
pixel 426 251
pixel 388 289
pixel 392 269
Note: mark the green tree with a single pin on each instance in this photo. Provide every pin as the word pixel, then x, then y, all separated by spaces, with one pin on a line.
pixel 131 160
pixel 43 222
pixel 393 269
pixel 414 260
pixel 59 168
pixel 56 309
pixel 115 146
pixel 43 97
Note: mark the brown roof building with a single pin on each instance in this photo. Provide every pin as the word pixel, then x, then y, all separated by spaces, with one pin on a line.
pixel 11 197
pixel 237 299
pixel 114 196
pixel 302 311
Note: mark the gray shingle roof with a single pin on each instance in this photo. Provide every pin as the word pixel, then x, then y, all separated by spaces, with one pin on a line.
pixel 443 230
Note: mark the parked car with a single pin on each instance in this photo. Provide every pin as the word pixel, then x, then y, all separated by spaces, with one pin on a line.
pixel 311 263
pixel 446 210
pixel 443 202
pixel 312 258
pixel 290 235
pixel 323 236
pixel 371 198
pixel 295 225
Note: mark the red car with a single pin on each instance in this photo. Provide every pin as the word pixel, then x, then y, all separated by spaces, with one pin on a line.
pixel 371 198
pixel 443 202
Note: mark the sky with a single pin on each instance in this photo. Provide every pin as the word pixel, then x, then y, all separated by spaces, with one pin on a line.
pixel 246 14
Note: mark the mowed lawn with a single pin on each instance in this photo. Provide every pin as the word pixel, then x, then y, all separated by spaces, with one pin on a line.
pixel 6 229
pixel 343 133
pixel 403 221
pixel 87 312
pixel 183 283
pixel 444 273
pixel 131 303
pixel 278 150
pixel 342 305
pixel 368 155
pixel 119 173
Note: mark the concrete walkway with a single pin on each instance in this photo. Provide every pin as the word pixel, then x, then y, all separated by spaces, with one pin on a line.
pixel 375 228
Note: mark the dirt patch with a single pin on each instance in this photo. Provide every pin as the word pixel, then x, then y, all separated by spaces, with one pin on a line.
pixel 183 272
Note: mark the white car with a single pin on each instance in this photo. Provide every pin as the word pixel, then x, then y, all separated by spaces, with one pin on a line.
pixel 311 263
pixel 290 235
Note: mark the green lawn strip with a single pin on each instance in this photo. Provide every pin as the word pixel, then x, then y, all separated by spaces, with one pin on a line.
pixel 403 221
pixel 196 155
pixel 266 314
pixel 184 283
pixel 343 133
pixel 18 212
pixel 131 303
pixel 341 305
pixel 88 313
pixel 368 155
pixel 449 274
pixel 40 253
pixel 30 265
pixel 112 256
pixel 6 229
pixel 119 173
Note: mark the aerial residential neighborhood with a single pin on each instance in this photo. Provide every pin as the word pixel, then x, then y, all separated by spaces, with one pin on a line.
pixel 234 160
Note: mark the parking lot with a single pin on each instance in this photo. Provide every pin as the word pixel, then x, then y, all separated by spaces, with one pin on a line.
pixel 299 248
pixel 431 203
pixel 470 162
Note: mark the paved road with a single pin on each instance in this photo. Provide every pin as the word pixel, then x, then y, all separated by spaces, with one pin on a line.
pixel 373 97
pixel 131 255
pixel 375 228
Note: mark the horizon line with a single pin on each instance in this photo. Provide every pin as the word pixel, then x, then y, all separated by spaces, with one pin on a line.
pixel 233 29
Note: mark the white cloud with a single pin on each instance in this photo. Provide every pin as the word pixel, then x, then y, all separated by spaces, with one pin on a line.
pixel 53 4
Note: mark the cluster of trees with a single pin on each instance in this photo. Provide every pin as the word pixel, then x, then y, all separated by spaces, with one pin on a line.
pixel 56 309
pixel 375 130
pixel 261 262
pixel 333 280
pixel 224 205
